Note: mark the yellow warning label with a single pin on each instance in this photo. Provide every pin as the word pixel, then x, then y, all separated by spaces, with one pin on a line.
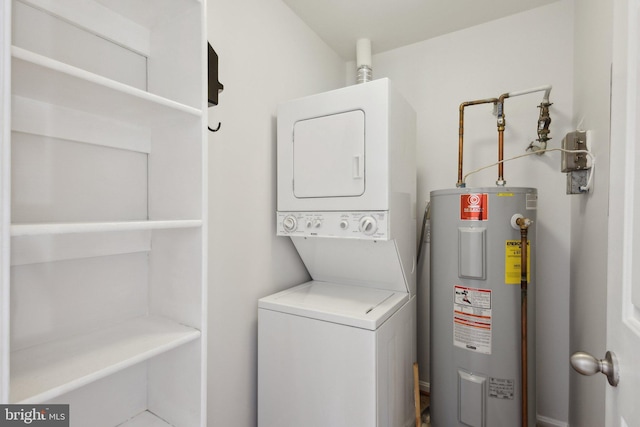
pixel 512 259
pixel 505 194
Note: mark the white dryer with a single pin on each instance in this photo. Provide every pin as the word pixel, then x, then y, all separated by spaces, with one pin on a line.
pixel 339 350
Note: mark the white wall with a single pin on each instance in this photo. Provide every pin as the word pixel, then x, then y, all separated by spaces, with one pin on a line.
pixel 593 56
pixel 522 51
pixel 267 55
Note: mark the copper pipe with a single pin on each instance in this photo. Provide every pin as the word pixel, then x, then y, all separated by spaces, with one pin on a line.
pixel 500 180
pixel 460 183
pixel 501 125
pixel 524 224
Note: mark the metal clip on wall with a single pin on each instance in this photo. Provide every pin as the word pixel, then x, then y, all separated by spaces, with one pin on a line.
pixel 214 87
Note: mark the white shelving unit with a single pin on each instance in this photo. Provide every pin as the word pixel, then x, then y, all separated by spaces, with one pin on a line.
pixel 103 217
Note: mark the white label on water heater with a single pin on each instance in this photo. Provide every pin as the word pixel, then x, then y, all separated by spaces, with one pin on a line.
pixel 501 388
pixel 472 319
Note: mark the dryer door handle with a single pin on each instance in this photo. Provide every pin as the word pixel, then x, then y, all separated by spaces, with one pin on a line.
pixel 358 167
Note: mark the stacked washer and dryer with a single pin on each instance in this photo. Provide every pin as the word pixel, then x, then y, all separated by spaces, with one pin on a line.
pixel 339 350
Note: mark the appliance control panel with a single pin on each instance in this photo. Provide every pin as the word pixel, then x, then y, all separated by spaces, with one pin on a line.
pixel 369 225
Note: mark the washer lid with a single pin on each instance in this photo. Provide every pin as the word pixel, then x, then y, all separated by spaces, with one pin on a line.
pixel 350 305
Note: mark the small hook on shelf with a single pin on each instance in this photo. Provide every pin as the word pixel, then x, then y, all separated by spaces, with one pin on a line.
pixel 216 129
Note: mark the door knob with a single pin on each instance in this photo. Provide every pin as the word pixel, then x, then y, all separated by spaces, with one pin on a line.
pixel 586 364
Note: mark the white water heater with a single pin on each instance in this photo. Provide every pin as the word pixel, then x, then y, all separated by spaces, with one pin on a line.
pixel 476 300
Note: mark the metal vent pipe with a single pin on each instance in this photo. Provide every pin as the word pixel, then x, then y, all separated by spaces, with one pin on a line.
pixel 363 61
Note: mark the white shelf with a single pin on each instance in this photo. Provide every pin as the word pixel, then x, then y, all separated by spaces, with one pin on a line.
pixel 107 124
pixel 126 23
pixel 49 370
pixel 41 229
pixel 145 419
pixel 44 79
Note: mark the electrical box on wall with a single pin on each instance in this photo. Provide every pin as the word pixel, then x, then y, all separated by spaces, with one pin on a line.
pixel 575 162
pixel 576 140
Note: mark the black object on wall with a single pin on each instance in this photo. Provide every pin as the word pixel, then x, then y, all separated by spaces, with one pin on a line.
pixel 215 87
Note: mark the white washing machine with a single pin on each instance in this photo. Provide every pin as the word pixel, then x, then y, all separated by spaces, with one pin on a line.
pixel 339 350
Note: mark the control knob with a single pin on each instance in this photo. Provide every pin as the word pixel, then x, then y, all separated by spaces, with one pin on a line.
pixel 289 223
pixel 368 225
pixel 316 223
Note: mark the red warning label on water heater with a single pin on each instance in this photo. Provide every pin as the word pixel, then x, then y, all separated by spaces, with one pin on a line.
pixel 474 207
